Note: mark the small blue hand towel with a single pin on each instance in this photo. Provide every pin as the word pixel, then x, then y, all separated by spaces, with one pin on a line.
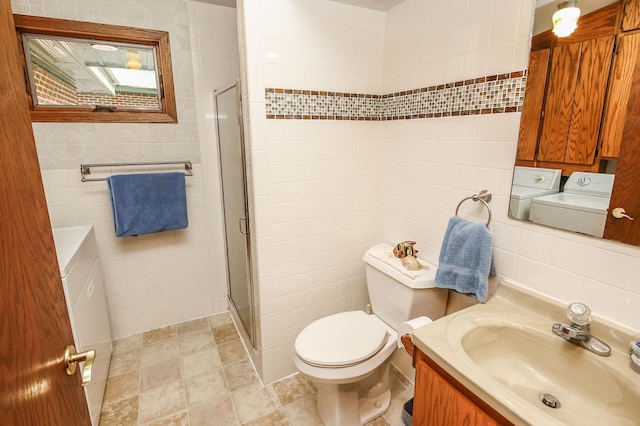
pixel 466 258
pixel 148 202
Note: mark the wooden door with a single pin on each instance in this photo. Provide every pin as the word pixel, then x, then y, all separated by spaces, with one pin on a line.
pixel 34 324
pixel 626 186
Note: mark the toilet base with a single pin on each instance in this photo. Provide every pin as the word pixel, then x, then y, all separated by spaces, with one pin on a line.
pixel 355 404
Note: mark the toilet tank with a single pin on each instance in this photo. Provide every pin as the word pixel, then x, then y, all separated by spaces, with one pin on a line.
pixel 395 296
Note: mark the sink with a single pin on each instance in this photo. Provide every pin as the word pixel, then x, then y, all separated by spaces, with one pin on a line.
pixel 531 363
pixel 504 352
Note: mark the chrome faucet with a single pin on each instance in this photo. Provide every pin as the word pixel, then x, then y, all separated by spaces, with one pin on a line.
pixel 578 332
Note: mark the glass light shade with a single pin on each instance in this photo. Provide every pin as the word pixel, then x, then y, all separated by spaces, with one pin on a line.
pixel 565 21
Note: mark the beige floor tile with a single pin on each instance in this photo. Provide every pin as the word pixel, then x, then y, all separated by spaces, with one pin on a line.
pixel 277 418
pixel 201 362
pixel 205 388
pixel 198 373
pixel 219 320
pixel 397 381
pixel 194 325
pixel 381 421
pixel 162 401
pixel 293 388
pixel 303 412
pixel 177 419
pixel 120 413
pixel 161 374
pixel 126 344
pixel 160 352
pixel 252 402
pixel 159 334
pixel 240 374
pixel 196 341
pixel 219 412
pixel 122 387
pixel 232 352
pixel 125 362
pixel 225 333
pixel 394 414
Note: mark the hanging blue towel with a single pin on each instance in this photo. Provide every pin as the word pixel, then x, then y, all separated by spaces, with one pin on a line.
pixel 148 202
pixel 466 258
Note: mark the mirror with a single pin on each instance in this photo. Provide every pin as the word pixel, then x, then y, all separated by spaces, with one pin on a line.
pixel 572 119
pixel 86 72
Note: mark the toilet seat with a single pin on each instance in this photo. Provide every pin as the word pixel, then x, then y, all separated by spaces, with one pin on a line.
pixel 341 340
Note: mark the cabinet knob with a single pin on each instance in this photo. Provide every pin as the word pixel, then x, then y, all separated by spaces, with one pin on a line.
pixel 619 213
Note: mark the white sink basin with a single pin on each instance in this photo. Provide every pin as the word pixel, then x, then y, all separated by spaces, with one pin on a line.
pixel 505 352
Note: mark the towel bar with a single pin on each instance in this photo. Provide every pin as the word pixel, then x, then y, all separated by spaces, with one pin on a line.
pixel 85 169
pixel 484 196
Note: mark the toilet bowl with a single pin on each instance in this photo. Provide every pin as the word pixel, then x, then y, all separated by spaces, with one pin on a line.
pixel 347 355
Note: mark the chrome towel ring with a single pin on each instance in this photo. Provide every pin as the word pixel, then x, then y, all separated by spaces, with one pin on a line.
pixel 483 196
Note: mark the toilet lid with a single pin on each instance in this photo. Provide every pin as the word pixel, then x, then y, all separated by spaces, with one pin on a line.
pixel 341 339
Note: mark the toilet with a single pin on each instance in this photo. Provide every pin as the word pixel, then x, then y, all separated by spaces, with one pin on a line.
pixel 347 355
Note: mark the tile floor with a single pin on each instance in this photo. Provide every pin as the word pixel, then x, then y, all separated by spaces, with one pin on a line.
pixel 198 373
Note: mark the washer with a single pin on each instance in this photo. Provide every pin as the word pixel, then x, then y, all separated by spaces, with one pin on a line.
pixel 530 182
pixel 582 207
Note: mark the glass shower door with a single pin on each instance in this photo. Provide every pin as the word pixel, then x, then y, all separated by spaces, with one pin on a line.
pixel 236 211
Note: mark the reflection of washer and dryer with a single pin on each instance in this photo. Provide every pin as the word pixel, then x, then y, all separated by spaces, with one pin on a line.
pixel 581 207
pixel 530 182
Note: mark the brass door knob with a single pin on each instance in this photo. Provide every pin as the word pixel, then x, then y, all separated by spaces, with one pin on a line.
pixel 619 213
pixel 72 358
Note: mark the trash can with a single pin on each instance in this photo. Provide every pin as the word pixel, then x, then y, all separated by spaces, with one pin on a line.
pixel 407 413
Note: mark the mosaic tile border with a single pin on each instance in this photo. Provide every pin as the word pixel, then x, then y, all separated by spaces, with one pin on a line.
pixel 495 94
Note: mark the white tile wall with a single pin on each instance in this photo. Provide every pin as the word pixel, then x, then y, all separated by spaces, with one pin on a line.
pixel 170 277
pixel 215 56
pixel 413 172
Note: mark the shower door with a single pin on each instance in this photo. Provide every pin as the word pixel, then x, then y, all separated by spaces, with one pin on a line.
pixel 236 210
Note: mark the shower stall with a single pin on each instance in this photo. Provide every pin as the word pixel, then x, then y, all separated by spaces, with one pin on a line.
pixel 233 178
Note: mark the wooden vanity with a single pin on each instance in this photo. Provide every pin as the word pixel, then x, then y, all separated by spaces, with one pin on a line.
pixel 442 400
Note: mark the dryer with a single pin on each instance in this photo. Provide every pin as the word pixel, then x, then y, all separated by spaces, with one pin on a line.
pixel 530 182
pixel 581 207
pixel 83 283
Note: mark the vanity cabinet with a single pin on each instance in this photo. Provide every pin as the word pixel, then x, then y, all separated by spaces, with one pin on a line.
pixel 442 400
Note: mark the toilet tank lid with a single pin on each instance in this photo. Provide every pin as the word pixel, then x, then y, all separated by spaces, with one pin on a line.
pixel 381 257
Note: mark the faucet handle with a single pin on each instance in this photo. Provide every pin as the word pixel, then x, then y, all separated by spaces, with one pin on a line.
pixel 579 313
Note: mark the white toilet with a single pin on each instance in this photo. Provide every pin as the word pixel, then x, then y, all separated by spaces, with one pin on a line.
pixel 347 355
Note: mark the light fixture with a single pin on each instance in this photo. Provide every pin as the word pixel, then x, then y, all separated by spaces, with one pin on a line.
pixel 134 62
pixel 565 20
pixel 104 47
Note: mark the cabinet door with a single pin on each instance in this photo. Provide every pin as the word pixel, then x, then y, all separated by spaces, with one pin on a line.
pixel 631 15
pixel 438 403
pixel 628 53
pixel 572 122
pixel 532 107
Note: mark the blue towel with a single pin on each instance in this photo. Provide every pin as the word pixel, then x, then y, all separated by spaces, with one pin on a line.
pixel 148 202
pixel 466 258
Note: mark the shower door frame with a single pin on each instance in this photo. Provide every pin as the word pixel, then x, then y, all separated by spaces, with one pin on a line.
pixel 251 332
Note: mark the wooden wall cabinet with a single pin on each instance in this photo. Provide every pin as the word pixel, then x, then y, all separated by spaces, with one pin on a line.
pixel 575 98
pixel 621 81
pixel 441 400
pixel 561 125
pixel 631 15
